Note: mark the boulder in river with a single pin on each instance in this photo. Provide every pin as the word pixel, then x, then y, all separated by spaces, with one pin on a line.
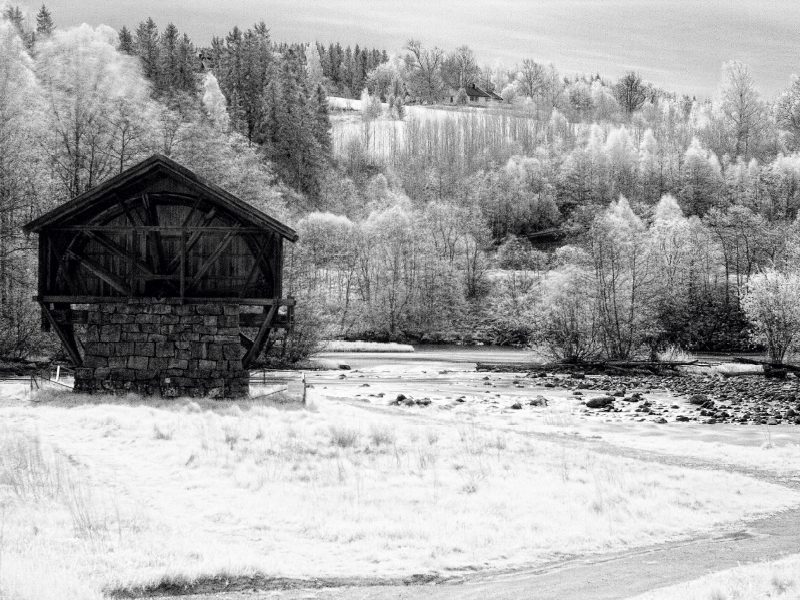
pixel 600 402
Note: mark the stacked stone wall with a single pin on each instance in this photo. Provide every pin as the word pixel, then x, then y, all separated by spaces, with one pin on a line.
pixel 161 347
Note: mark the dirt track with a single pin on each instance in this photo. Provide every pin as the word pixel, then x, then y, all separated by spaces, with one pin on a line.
pixel 615 576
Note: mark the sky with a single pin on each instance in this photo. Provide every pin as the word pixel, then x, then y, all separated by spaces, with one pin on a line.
pixel 679 45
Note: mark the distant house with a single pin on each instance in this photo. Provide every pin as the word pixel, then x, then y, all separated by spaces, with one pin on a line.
pixel 476 96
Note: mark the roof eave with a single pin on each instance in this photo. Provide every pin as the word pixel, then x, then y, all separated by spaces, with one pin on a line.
pixel 85 200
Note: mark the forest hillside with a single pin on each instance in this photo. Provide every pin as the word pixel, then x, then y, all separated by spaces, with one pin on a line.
pixel 588 216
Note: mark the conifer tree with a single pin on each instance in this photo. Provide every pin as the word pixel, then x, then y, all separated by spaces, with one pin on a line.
pixel 168 79
pixel 44 22
pixel 126 44
pixel 322 125
pixel 14 15
pixel 268 130
pixel 146 45
pixel 186 66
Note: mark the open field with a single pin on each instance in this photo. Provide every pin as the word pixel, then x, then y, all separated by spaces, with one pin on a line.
pixel 99 494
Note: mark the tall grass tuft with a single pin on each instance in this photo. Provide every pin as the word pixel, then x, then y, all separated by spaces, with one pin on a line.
pixel 344 437
pixel 381 436
pixel 163 431
pixel 29 472
pixel 673 353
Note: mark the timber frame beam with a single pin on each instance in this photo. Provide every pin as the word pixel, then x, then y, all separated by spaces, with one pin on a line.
pixel 65 333
pixel 261 338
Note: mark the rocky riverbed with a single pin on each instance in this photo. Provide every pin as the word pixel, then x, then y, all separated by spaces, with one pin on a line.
pixel 705 398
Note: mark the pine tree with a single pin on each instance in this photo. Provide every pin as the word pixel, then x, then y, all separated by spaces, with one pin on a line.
pixel 44 22
pixel 346 74
pixel 257 59
pixel 146 45
pixel 186 71
pixel 322 124
pixel 126 44
pixel 267 133
pixel 14 15
pixel 168 78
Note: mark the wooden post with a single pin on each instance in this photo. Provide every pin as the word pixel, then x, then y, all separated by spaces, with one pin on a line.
pixel 66 336
pixel 261 337
pixel 183 265
pixel 44 275
pixel 134 260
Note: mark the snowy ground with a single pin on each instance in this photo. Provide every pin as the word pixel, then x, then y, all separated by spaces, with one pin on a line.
pixel 120 493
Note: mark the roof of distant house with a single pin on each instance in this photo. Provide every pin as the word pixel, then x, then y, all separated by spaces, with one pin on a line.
pixel 473 91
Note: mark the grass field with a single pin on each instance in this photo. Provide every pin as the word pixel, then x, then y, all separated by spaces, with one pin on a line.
pixel 778 579
pixel 101 494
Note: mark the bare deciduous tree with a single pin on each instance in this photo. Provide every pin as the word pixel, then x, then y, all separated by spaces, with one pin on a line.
pixel 743 110
pixel 787 114
pixel 425 71
pixel 631 92
pixel 531 78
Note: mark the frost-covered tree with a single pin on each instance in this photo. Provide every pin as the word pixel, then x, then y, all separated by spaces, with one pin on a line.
pixel 787 114
pixel 631 92
pixel 313 66
pixel 214 103
pixel 24 191
pixel 85 84
pixel 531 77
pixel 743 110
pixel 770 302
pixel 624 277
pixel 460 68
pixel 424 71
pixel 701 177
pixel 567 321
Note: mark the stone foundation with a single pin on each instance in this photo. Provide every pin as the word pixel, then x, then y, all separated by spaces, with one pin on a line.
pixel 153 347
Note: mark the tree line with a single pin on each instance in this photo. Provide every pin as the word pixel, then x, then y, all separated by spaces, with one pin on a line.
pixel 425 225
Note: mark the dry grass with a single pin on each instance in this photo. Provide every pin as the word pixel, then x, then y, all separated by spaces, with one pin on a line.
pixel 673 353
pixel 122 494
pixel 778 579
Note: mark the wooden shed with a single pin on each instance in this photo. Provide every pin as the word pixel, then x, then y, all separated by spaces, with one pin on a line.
pixel 169 273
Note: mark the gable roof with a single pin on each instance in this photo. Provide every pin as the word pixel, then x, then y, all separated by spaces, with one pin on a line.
pixel 159 164
pixel 473 91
